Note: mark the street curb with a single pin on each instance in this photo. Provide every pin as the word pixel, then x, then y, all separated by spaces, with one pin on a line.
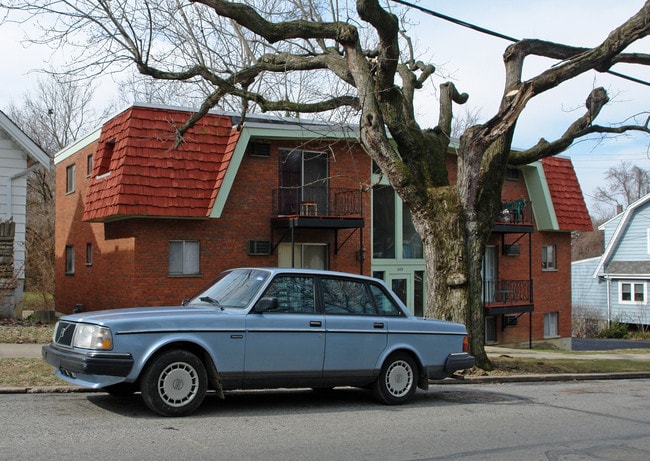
pixel 567 377
pixel 544 378
pixel 45 390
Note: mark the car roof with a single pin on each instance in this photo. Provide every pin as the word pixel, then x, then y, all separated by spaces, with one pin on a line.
pixel 291 270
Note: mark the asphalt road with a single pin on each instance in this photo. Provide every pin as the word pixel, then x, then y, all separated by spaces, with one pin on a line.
pixel 594 420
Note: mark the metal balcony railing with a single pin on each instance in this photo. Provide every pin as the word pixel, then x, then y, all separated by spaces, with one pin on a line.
pixel 317 201
pixel 508 292
pixel 515 212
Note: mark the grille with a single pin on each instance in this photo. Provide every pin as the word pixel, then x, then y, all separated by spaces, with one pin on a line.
pixel 64 333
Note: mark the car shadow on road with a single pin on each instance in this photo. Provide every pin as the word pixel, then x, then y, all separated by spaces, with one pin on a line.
pixel 282 401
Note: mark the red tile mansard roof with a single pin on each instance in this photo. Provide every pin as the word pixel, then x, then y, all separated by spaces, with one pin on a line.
pixel 137 171
pixel 566 195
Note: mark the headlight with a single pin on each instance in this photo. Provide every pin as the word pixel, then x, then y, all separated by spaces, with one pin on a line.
pixel 92 337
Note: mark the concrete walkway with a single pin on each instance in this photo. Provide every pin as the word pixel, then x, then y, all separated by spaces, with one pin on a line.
pixel 29 351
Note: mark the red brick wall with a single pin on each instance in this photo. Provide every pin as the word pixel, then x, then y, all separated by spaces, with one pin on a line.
pixel 131 259
pixel 551 289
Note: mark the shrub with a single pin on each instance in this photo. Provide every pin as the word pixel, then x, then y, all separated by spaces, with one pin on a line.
pixel 617 330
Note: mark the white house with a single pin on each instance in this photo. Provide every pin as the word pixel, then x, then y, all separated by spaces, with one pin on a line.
pixel 18 156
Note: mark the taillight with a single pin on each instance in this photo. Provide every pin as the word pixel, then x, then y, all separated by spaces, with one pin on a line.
pixel 465 344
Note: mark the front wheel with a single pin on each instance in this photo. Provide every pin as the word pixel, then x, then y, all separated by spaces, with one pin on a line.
pixel 397 380
pixel 174 383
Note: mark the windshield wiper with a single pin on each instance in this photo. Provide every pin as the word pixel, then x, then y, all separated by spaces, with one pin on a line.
pixel 208 299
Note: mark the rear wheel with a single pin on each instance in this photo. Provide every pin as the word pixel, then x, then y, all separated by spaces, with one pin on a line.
pixel 174 383
pixel 397 380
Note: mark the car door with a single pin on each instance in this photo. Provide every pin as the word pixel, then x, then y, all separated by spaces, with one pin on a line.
pixel 356 334
pixel 285 345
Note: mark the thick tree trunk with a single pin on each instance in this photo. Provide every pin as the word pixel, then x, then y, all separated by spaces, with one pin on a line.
pixel 453 258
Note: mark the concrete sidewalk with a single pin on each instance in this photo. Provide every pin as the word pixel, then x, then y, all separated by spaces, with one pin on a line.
pixel 29 351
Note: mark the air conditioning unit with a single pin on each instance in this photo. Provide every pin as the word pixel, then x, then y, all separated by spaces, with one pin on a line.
pixel 511 249
pixel 259 247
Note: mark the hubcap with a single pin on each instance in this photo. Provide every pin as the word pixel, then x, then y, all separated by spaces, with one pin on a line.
pixel 178 384
pixel 399 378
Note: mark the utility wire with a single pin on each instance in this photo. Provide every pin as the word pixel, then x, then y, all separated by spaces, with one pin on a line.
pixel 483 30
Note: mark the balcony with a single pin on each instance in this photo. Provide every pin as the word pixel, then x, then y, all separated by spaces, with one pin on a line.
pixel 508 296
pixel 317 207
pixel 515 216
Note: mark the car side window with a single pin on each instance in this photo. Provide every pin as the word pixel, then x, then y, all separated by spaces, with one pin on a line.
pixel 342 296
pixel 385 305
pixel 294 294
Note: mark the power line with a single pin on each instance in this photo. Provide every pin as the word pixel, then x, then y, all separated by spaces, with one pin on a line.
pixel 493 33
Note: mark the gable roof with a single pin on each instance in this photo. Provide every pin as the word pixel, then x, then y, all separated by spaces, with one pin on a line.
pixel 137 171
pixel 623 220
pixel 566 195
pixel 23 141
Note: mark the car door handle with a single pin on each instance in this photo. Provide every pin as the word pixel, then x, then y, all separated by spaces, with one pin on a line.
pixel 379 325
pixel 315 323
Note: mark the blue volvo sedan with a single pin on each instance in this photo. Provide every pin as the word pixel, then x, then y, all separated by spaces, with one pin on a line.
pixel 256 328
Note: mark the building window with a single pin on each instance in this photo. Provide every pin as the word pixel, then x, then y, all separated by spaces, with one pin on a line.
pixel 69 179
pixel 69 260
pixel 383 222
pixel 549 258
pixel 89 165
pixel 550 324
pixel 632 292
pixel 411 242
pixel 305 255
pixel 512 174
pixel 303 180
pixel 184 257
pixel 89 254
pixel 105 158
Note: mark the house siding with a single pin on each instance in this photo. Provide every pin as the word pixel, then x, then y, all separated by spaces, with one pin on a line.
pixel 588 292
pixel 12 164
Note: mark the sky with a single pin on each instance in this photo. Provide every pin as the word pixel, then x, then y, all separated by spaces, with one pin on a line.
pixel 473 61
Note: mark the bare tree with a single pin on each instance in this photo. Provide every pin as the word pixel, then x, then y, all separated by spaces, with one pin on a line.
pixel 238 46
pixel 625 184
pixel 57 113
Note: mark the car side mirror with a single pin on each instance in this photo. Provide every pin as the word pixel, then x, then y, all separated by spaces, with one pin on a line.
pixel 265 304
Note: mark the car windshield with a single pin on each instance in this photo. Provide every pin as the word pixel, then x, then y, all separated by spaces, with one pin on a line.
pixel 233 288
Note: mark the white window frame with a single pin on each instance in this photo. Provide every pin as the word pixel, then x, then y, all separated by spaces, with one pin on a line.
pixel 551 324
pixel 188 266
pixel 549 265
pixel 633 284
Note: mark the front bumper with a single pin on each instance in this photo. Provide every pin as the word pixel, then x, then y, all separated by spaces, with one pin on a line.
pixel 459 361
pixel 70 361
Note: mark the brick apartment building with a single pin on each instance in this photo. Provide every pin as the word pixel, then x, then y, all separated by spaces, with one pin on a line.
pixel 140 222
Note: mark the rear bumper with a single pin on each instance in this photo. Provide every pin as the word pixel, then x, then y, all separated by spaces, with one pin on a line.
pixel 459 361
pixel 70 361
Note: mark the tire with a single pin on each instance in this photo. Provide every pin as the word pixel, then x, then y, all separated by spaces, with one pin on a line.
pixel 174 383
pixel 121 389
pixel 398 379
